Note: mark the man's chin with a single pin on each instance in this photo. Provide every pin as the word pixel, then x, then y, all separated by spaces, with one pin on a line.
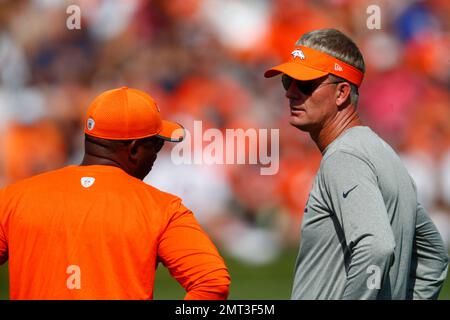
pixel 299 124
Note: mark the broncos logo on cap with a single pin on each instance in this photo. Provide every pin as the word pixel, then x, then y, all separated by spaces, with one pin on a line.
pixel 297 53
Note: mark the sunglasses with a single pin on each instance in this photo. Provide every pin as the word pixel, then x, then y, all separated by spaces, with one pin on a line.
pixel 305 87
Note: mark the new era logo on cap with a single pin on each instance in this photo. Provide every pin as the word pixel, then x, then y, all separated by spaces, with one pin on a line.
pixel 297 53
pixel 337 67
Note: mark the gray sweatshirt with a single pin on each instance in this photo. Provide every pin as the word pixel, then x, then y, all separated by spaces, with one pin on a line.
pixel 364 234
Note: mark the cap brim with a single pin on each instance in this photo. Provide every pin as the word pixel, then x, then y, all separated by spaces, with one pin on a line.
pixel 295 70
pixel 171 131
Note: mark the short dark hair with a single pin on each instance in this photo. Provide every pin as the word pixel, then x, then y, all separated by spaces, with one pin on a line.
pixel 340 46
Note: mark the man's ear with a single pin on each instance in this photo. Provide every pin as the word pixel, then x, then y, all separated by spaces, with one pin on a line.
pixel 343 90
pixel 133 149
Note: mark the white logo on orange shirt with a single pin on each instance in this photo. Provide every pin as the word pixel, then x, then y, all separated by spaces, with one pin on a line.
pixel 337 67
pixel 87 181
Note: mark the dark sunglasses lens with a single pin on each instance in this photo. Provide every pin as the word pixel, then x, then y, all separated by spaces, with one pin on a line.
pixel 305 87
pixel 286 80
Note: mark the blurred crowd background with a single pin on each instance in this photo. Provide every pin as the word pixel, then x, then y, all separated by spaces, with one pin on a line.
pixel 204 60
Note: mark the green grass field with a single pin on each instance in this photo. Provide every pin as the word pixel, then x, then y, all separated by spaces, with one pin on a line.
pixel 271 281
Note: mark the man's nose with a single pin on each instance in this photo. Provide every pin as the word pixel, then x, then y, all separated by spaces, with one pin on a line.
pixel 292 92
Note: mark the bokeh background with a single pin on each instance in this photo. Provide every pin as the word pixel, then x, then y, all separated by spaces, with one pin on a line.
pixel 204 60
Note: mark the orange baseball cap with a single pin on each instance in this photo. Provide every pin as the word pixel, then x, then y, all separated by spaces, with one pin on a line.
pixel 309 64
pixel 125 114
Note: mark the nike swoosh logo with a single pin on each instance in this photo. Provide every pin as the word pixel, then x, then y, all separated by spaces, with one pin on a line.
pixel 345 194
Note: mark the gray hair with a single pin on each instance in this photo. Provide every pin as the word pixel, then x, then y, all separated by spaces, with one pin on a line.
pixel 338 45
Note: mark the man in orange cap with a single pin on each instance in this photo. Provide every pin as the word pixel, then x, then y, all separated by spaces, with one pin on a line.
pixel 364 234
pixel 96 231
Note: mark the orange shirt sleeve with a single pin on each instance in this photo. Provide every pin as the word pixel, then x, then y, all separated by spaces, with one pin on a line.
pixel 3 241
pixel 191 257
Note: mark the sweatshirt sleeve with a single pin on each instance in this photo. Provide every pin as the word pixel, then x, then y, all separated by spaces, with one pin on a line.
pixel 3 240
pixel 191 257
pixel 356 199
pixel 430 259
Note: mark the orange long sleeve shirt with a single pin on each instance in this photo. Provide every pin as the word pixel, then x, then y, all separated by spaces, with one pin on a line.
pixel 95 232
